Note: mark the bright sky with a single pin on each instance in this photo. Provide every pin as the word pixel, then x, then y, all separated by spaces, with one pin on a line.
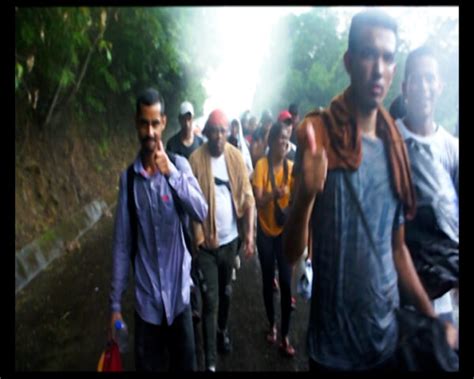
pixel 232 86
pixel 245 32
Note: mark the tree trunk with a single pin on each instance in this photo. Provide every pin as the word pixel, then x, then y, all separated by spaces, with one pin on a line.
pixel 51 108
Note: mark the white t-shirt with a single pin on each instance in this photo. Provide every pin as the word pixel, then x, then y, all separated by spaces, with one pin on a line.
pixel 434 163
pixel 443 304
pixel 445 150
pixel 444 145
pixel 226 220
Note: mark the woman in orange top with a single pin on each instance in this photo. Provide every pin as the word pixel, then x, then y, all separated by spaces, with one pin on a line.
pixel 269 232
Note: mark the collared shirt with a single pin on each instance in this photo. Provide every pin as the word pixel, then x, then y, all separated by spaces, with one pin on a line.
pixel 162 262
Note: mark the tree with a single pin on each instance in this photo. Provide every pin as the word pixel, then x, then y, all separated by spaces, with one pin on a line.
pixel 52 54
pixel 313 71
pixel 304 64
pixel 100 58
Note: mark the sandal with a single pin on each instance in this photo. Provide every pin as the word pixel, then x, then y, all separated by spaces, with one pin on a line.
pixel 272 336
pixel 286 349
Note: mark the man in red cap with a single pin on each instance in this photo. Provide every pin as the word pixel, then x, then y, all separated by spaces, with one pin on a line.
pixel 221 172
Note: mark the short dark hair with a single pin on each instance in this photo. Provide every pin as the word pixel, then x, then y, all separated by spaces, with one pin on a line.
pixel 149 97
pixel 371 17
pixel 422 51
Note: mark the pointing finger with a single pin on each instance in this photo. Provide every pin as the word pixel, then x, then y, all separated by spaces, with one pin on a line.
pixel 160 145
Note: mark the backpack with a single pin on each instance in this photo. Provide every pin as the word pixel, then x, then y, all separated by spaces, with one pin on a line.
pixel 132 211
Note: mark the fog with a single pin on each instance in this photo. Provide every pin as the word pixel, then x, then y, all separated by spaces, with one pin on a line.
pixel 233 43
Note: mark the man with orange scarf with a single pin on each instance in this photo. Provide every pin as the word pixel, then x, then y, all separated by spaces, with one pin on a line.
pixel 353 184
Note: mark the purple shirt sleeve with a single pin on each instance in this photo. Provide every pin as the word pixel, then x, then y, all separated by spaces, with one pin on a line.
pixel 188 190
pixel 121 250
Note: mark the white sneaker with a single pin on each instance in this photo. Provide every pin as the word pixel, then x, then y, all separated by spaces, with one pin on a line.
pixel 234 275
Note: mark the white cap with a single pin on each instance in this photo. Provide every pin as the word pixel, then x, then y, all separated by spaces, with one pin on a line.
pixel 186 107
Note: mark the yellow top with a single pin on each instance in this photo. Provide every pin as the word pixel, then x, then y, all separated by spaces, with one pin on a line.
pixel 261 179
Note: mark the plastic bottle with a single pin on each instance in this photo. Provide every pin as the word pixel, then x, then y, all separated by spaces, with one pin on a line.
pixel 121 335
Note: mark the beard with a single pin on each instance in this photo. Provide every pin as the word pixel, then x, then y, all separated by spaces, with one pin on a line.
pixel 148 144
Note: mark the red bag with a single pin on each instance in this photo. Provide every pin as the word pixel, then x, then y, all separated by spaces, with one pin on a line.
pixel 110 359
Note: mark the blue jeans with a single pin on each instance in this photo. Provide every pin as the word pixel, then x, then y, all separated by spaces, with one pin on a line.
pixel 162 347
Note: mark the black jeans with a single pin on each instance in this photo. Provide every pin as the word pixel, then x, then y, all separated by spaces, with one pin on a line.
pixel 215 266
pixel 162 347
pixel 269 249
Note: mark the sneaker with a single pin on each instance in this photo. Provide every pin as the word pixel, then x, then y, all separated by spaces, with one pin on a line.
pixel 286 349
pixel 224 344
pixel 234 275
pixel 211 368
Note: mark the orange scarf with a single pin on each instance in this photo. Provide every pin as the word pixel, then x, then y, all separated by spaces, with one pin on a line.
pixel 336 130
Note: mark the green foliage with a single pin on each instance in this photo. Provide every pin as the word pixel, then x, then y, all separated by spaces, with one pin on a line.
pixel 312 73
pixel 86 56
pixel 313 57
pixel 18 75
pixel 66 78
pixel 58 41
pixel 104 147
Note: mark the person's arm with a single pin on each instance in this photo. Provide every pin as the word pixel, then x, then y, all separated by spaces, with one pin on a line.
pixel 121 253
pixel 249 213
pixel 249 244
pixel 262 197
pixel 312 167
pixel 409 281
pixel 188 190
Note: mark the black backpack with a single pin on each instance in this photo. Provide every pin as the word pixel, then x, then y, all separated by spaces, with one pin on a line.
pixel 132 211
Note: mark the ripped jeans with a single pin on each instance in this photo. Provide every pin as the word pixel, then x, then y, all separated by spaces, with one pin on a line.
pixel 215 277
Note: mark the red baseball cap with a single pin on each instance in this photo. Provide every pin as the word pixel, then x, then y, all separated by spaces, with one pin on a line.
pixel 217 117
pixel 284 115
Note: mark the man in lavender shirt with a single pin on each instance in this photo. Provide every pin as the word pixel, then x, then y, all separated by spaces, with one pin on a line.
pixel 162 262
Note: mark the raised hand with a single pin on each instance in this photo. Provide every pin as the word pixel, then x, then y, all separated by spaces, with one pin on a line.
pixel 161 160
pixel 279 192
pixel 314 165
